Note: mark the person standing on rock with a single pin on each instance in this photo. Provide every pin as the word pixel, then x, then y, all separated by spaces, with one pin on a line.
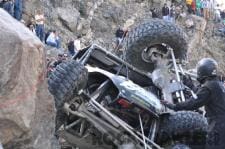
pixel 165 12
pixel 18 8
pixel 188 3
pixel 119 35
pixel 8 6
pixel 198 8
pixel 71 48
pixel 217 13
pixel 211 9
pixel 193 7
pixel 1 3
pixel 205 5
pixel 77 43
pixel 39 20
pixel 172 13
pixel 32 28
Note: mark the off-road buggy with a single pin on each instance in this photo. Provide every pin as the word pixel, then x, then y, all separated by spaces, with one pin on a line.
pixel 109 102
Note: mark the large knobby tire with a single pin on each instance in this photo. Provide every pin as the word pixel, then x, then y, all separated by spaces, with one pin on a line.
pixel 68 78
pixel 150 33
pixel 187 125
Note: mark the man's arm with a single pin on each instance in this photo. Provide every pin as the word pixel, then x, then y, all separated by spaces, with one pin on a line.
pixel 193 104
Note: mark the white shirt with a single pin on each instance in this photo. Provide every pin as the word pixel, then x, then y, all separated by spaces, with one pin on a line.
pixel 207 4
pixel 204 4
pixel 51 38
pixel 217 10
pixel 211 4
pixel 77 44
pixel 38 18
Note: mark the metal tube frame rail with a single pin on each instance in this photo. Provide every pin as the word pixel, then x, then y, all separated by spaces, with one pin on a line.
pixel 125 126
pixel 177 73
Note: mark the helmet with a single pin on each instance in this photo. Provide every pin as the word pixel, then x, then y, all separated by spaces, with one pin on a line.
pixel 206 67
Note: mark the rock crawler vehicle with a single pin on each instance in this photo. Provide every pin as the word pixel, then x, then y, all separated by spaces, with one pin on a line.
pixel 111 102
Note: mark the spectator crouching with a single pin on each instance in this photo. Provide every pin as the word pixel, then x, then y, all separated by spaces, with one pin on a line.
pixel 53 40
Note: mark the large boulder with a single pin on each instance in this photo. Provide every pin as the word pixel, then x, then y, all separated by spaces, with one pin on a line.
pixel 26 106
pixel 99 25
pixel 69 21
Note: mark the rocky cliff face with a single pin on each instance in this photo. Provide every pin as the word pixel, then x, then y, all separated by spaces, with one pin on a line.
pixel 203 43
pixel 26 106
pixel 97 20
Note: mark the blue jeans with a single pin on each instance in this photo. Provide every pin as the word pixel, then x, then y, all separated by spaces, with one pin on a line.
pixel 172 19
pixel 18 6
pixel 222 30
pixel 40 31
pixel 166 18
pixel 54 44
pixel 198 11
pixel 71 52
pixel 8 6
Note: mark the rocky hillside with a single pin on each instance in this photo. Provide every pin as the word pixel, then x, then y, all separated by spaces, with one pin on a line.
pixel 97 20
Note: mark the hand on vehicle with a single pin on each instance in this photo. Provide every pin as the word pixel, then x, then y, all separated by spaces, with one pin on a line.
pixel 168 104
pixel 188 81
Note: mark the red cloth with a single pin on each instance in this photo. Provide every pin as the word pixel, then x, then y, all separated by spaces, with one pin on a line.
pixel 193 5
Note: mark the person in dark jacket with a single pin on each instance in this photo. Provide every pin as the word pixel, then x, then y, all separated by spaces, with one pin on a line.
pixel 18 8
pixel 1 3
pixel 120 34
pixel 154 13
pixel 165 12
pixel 71 48
pixel 8 6
pixel 211 94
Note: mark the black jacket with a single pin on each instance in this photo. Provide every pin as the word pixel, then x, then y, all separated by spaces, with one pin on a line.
pixel 154 13
pixel 119 33
pixel 211 95
pixel 1 4
pixel 165 11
